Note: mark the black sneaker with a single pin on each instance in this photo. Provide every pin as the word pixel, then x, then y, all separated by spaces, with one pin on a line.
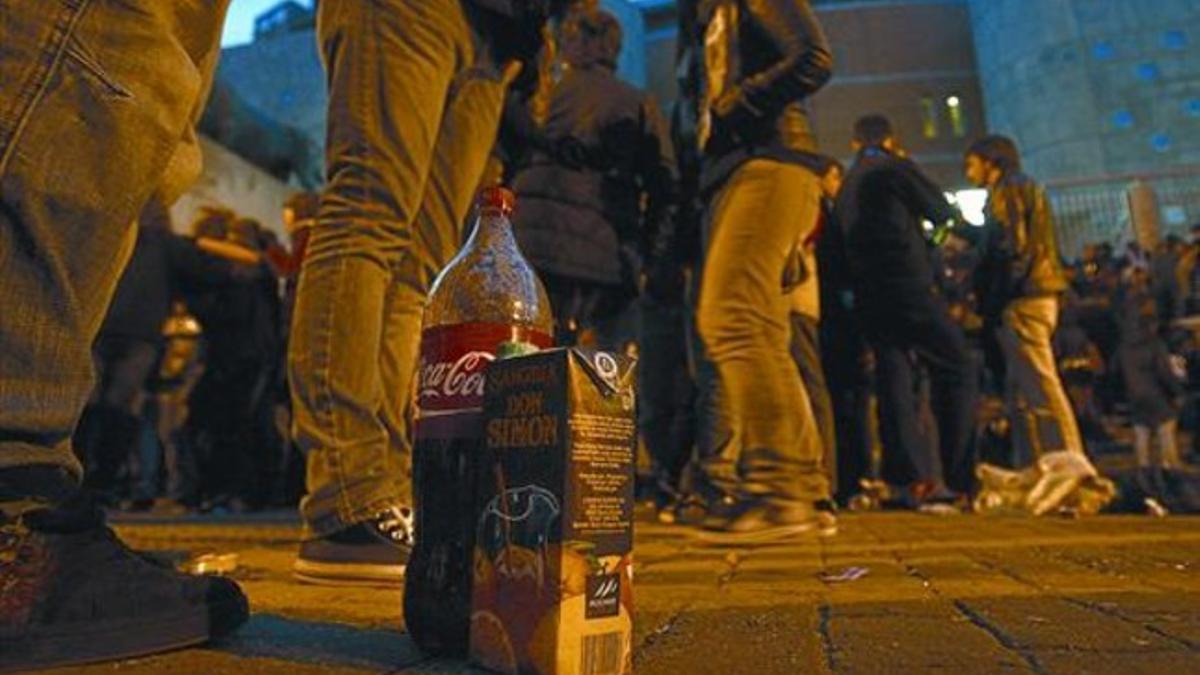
pixel 698 510
pixel 372 553
pixel 765 522
pixel 71 592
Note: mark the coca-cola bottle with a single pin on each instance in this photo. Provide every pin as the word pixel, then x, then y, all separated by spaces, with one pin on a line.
pixel 487 302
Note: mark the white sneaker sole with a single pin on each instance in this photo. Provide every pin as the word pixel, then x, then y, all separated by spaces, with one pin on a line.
pixel 348 574
pixel 777 534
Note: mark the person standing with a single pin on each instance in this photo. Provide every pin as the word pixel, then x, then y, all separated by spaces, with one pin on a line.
pixel 416 91
pixel 98 105
pixel 806 274
pixel 600 184
pixel 761 60
pixel 1020 278
pixel 881 207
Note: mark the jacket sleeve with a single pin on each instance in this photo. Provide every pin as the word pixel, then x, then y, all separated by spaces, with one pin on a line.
pixel 805 61
pixel 921 195
pixel 195 270
pixel 656 166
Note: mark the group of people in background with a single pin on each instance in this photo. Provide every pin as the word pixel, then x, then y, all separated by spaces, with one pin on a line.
pixel 920 345
pixel 190 411
pixel 793 318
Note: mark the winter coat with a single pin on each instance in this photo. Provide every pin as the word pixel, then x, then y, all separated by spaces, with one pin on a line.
pixel 605 147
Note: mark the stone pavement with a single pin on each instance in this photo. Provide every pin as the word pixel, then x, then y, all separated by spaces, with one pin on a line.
pixel 961 594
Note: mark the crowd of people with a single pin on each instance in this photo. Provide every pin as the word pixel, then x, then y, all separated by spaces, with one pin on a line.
pixel 191 408
pixel 922 345
pixel 794 318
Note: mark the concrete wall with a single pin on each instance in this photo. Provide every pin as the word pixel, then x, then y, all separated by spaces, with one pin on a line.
pixel 232 182
pixel 1093 87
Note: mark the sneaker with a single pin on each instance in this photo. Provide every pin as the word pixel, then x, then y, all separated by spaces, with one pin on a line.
pixel 371 553
pixel 71 592
pixel 697 510
pixel 764 522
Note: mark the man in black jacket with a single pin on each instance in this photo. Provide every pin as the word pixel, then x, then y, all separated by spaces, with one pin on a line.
pixel 1020 278
pixel 882 206
pixel 416 91
pixel 759 445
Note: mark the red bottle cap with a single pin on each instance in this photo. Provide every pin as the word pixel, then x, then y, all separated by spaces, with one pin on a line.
pixel 497 197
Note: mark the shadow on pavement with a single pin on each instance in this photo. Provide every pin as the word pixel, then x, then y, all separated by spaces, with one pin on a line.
pixel 328 644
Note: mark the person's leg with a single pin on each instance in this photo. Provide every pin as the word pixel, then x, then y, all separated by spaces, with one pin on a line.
pixel 662 375
pixel 742 320
pixel 715 476
pixel 942 347
pixel 906 457
pixel 390 66
pixel 806 352
pixel 97 101
pixel 89 128
pixel 1025 336
pixel 1168 445
pixel 468 130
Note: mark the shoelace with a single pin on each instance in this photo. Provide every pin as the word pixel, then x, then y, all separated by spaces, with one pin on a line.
pixel 397 523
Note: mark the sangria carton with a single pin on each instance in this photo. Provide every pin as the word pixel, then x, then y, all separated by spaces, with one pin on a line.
pixel 552 585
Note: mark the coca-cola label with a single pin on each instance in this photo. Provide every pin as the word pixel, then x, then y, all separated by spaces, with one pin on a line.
pixel 454 361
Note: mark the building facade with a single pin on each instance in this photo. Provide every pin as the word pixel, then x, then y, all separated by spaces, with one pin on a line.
pixel 1093 87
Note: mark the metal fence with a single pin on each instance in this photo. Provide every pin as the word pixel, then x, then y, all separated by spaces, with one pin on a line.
pixel 1097 210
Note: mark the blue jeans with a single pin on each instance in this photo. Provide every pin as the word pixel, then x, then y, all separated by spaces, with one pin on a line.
pixel 98 103
pixel 414 110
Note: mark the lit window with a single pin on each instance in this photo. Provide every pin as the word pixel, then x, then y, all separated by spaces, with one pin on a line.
pixel 1104 51
pixel 1160 142
pixel 929 121
pixel 1175 39
pixel 1122 119
pixel 1148 71
pixel 958 122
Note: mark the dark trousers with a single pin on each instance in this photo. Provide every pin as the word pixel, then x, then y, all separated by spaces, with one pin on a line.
pixel 665 406
pixel 109 432
pixel 848 376
pixel 922 328
pixel 806 352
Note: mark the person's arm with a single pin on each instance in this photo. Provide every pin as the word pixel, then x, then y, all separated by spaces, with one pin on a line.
pixel 655 163
pixel 228 251
pixel 196 269
pixel 805 64
pixel 921 195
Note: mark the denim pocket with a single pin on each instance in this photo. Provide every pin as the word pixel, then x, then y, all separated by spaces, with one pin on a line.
pixel 91 68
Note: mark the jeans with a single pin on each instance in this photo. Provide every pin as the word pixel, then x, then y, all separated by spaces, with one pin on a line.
pixel 412 118
pixel 767 444
pixel 806 353
pixel 1157 446
pixel 98 103
pixel 1042 418
pixel 922 327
